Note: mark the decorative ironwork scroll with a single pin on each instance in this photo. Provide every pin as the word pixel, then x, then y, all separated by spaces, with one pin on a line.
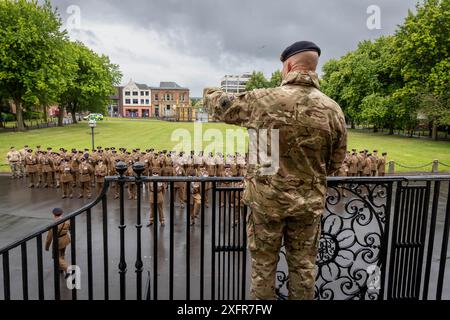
pixel 348 260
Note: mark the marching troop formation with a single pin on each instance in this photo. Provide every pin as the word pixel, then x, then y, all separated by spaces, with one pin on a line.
pixel 363 164
pixel 83 170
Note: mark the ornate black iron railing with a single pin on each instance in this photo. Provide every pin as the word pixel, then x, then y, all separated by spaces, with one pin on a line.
pixel 382 238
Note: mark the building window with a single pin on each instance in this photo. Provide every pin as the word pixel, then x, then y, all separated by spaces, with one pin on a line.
pixel 146 93
pixel 135 101
pixel 135 93
pixel 127 93
pixel 142 93
pixel 168 97
pixel 156 97
pixel 142 101
pixel 168 107
pixel 182 97
pixel 127 101
pixel 147 101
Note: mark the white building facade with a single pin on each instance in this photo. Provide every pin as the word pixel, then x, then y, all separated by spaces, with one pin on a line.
pixel 136 100
pixel 235 83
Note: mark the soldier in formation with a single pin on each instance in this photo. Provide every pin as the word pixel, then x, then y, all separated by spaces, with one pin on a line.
pixel 363 164
pixel 14 159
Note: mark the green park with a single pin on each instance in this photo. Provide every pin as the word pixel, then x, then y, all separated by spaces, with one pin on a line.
pixel 395 86
pixel 224 150
pixel 412 153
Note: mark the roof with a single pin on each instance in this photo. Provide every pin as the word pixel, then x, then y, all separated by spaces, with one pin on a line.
pixel 168 85
pixel 142 86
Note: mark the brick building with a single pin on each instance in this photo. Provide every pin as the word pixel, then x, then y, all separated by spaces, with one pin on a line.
pixel 136 100
pixel 167 97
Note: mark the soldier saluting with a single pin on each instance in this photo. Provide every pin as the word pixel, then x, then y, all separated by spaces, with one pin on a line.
pixel 312 144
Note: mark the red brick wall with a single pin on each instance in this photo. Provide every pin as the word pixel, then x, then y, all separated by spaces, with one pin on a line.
pixel 175 93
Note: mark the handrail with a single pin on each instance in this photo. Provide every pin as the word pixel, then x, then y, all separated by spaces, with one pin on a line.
pixel 56 223
pixel 103 192
pixel 205 179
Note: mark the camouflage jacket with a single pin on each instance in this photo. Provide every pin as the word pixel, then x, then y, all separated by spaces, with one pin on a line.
pixel 312 141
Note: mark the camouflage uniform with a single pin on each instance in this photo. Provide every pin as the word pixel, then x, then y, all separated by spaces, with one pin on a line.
pixel 14 160
pixel 381 165
pixel 312 145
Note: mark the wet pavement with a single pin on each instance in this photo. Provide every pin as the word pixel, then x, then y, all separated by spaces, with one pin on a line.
pixel 25 210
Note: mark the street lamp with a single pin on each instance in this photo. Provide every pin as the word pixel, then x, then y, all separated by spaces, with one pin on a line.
pixel 92 124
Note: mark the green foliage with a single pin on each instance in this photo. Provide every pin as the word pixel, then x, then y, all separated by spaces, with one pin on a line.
pixel 195 100
pixel 198 104
pixel 157 134
pixel 32 115
pixel 7 117
pixel 423 44
pixel 276 79
pixel 32 71
pixel 388 82
pixel 257 81
pixel 40 66
pixel 91 83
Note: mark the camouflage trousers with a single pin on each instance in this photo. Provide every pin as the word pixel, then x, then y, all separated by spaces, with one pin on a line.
pixel 301 235
pixel 15 169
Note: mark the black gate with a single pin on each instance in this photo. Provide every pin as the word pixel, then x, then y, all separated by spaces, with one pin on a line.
pixel 382 238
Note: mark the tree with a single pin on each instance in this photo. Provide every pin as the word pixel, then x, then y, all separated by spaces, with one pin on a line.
pixel 423 43
pixel 364 79
pixel 276 79
pixel 257 81
pixel 198 104
pixel 92 84
pixel 30 39
pixel 436 109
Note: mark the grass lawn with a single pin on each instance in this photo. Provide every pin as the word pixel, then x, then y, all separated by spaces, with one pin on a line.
pixel 157 134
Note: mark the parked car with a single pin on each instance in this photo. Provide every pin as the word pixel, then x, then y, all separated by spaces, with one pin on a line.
pixel 94 116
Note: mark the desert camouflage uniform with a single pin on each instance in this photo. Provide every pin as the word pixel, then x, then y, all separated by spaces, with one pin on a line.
pixel 14 159
pixel 381 166
pixel 289 204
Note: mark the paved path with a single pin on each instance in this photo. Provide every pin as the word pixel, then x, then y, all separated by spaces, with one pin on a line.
pixel 24 210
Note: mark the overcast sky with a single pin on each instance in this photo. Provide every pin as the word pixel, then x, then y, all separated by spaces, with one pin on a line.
pixel 196 42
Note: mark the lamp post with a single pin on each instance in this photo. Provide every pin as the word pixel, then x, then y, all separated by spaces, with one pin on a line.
pixel 92 124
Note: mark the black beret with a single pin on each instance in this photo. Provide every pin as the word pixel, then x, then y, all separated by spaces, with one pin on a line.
pixel 298 47
pixel 57 211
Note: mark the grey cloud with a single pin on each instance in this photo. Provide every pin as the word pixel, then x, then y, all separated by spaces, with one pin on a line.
pixel 245 26
pixel 242 31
